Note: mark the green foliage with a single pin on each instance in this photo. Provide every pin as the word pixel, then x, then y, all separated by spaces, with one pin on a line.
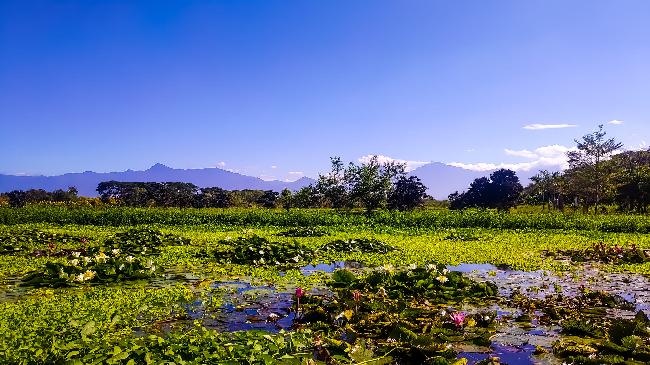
pixel 303 232
pixel 423 219
pixel 358 245
pixel 142 241
pixel 429 281
pixel 610 254
pixel 53 327
pixel 256 250
pixel 18 241
pixel 501 191
pixel 93 268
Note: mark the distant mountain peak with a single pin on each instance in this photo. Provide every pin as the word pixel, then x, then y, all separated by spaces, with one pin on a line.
pixel 159 167
pixel 86 182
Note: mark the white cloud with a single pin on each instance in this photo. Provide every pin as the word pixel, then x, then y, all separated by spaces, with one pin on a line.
pixel 552 156
pixel 274 167
pixel 485 166
pixel 470 150
pixel 410 165
pixel 537 126
pixel 299 173
pixel 521 153
pixel 221 164
pixel 615 122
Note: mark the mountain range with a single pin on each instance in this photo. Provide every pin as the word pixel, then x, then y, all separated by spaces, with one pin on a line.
pixel 441 179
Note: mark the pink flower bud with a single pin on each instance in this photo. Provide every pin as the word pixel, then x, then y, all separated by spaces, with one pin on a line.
pixel 356 295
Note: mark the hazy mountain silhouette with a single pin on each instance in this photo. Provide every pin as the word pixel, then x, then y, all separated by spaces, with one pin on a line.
pixel 441 179
pixel 86 182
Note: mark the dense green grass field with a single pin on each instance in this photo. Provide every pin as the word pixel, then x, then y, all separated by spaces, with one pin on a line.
pixel 200 296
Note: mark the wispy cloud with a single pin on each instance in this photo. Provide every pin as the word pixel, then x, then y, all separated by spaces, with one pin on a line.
pixel 410 165
pixel 221 164
pixel 267 177
pixel 537 126
pixel 521 153
pixel 274 167
pixel 551 156
pixel 296 173
pixel 615 122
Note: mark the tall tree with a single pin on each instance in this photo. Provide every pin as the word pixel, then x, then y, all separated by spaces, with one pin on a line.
pixel 501 191
pixel 587 161
pixel 371 182
pixel 408 193
pixel 332 188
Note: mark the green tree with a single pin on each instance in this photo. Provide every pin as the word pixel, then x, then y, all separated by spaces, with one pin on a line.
pixel 286 199
pixel 501 191
pixel 408 194
pixel 268 199
pixel 331 188
pixel 586 162
pixel 370 183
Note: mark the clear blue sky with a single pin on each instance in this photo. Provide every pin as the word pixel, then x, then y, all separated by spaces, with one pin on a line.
pixel 272 87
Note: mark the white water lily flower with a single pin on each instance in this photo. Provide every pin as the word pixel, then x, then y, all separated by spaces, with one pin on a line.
pixel 74 262
pixel 76 254
pixel 115 251
pixel 413 266
pixel 129 259
pixel 430 267
pixel 87 260
pixel 101 257
pixel 88 275
pixel 445 271
pixel 442 279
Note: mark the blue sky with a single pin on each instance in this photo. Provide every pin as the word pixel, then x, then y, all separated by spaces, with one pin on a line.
pixel 273 88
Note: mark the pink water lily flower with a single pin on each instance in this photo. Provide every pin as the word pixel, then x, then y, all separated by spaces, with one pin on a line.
pixel 458 318
pixel 299 292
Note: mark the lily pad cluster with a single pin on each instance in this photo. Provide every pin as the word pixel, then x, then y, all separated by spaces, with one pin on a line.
pixel 430 281
pixel 359 245
pixel 303 232
pixel 123 257
pixel 601 252
pixel 143 241
pixel 256 250
pixel 460 237
pixel 595 336
pixel 615 341
pixel 407 315
pixel 16 242
pixel 93 266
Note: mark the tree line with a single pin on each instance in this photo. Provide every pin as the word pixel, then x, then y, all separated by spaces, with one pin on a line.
pixel 371 185
pixel 19 198
pixel 599 174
